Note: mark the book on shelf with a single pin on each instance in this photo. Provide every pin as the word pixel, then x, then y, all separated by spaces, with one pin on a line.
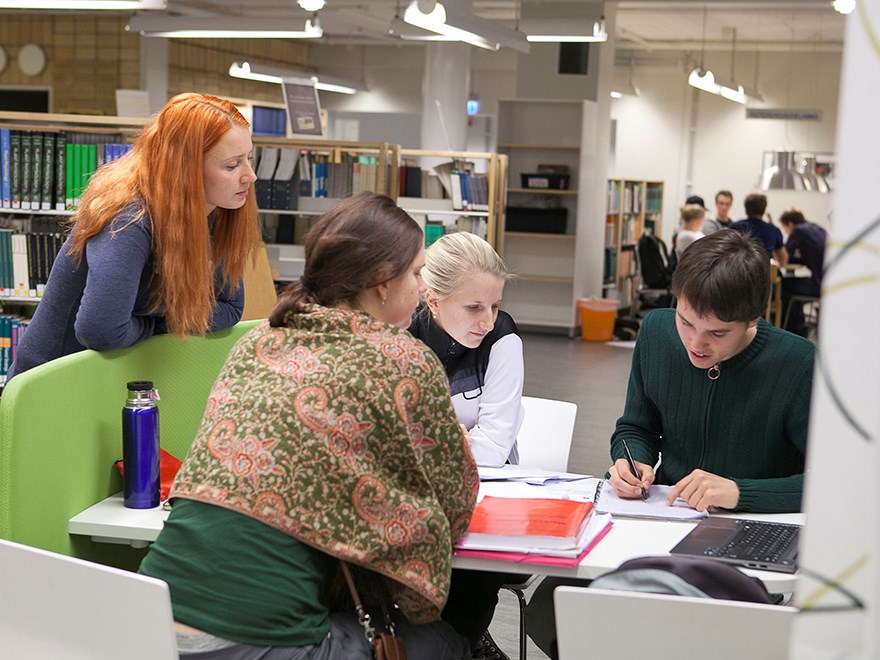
pixel 5 169
pixel 15 169
pixel 538 525
pixel 266 167
pixel 25 176
pixel 285 183
pixel 26 258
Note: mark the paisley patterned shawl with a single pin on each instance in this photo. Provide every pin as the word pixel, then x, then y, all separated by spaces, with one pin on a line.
pixel 339 431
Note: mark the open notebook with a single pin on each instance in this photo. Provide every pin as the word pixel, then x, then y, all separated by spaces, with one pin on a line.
pixel 61 607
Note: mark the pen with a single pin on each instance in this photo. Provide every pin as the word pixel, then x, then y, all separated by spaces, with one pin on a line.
pixel 632 466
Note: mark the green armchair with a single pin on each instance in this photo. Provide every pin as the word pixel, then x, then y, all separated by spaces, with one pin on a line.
pixel 61 431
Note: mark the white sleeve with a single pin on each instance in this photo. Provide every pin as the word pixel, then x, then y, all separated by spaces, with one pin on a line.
pixel 500 413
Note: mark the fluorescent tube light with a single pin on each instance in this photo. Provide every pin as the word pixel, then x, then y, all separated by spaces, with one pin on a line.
pixel 705 80
pixel 223 27
pixel 270 74
pixel 84 5
pixel 599 35
pixel 459 25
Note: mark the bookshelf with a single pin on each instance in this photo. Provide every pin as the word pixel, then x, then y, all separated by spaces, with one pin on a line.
pixel 633 207
pixel 483 178
pixel 543 241
pixel 298 212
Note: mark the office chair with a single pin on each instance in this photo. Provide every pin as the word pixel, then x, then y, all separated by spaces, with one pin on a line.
pixel 67 609
pixel 544 441
pixel 602 622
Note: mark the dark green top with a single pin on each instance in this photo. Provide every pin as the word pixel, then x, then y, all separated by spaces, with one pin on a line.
pixel 749 425
pixel 235 577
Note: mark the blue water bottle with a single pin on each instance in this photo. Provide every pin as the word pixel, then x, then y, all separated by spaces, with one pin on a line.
pixel 140 446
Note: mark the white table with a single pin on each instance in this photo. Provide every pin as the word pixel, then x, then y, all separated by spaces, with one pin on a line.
pixel 109 521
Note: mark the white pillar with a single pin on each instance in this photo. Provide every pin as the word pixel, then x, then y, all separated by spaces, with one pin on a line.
pixel 445 90
pixel 154 70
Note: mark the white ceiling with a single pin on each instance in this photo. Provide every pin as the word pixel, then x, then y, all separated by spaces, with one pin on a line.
pixel 648 25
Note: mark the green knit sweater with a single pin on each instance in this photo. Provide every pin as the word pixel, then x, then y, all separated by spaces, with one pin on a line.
pixel 749 425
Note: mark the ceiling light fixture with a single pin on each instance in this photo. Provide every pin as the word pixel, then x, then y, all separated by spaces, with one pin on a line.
pixel 454 23
pixel 223 27
pixel 311 5
pixel 703 79
pixel 599 35
pixel 84 5
pixel 271 74
pixel 844 6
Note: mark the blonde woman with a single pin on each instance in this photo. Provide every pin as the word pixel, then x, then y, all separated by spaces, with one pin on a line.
pixel 160 240
pixel 478 344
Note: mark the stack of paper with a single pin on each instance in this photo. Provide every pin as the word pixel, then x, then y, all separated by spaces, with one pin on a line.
pixel 535 526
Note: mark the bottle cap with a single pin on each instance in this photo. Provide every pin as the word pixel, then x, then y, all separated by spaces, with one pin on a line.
pixel 140 385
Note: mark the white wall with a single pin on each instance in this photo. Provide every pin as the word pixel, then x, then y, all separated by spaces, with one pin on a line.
pixel 653 130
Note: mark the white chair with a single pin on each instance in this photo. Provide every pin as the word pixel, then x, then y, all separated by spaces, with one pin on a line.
pixel 544 441
pixel 631 625
pixel 60 607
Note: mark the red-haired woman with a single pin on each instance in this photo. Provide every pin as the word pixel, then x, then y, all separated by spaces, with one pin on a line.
pixel 159 241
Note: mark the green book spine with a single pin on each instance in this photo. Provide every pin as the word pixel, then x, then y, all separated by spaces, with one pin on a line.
pixel 78 170
pixel 60 171
pixel 91 163
pixel 69 175
pixel 26 153
pixel 46 201
pixel 36 170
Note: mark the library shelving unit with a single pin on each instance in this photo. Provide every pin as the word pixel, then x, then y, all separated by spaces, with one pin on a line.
pixel 334 170
pixel 633 208
pixel 543 240
pixel 482 216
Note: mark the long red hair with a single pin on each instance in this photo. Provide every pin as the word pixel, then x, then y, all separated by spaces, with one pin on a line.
pixel 164 171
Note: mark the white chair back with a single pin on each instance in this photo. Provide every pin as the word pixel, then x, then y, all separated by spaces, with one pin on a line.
pixel 601 623
pixel 60 607
pixel 544 440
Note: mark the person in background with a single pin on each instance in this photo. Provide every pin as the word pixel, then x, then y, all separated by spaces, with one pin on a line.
pixel 805 245
pixel 704 390
pixel 329 435
pixel 160 239
pixel 692 216
pixel 723 202
pixel 754 224
pixel 482 353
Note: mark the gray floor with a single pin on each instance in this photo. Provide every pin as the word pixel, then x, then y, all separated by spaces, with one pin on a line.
pixel 594 376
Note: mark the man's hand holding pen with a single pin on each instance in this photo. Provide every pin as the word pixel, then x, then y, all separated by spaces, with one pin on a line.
pixel 625 483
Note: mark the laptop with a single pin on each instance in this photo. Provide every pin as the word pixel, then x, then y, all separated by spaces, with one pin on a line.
pixel 758 544
pixel 61 607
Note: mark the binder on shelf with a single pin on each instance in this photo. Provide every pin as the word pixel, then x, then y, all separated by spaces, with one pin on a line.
pixel 285 183
pixel 265 173
pixel 60 171
pixel 26 156
pixel 48 183
pixel 6 167
pixel 37 157
pixel 21 280
pixel 15 173
pixel 305 175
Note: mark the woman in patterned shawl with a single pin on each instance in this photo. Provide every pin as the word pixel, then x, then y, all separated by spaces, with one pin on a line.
pixel 329 435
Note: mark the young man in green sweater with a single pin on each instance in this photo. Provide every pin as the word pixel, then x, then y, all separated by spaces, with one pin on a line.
pixel 724 395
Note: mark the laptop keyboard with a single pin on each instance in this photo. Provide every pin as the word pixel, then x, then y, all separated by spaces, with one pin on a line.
pixel 757 542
